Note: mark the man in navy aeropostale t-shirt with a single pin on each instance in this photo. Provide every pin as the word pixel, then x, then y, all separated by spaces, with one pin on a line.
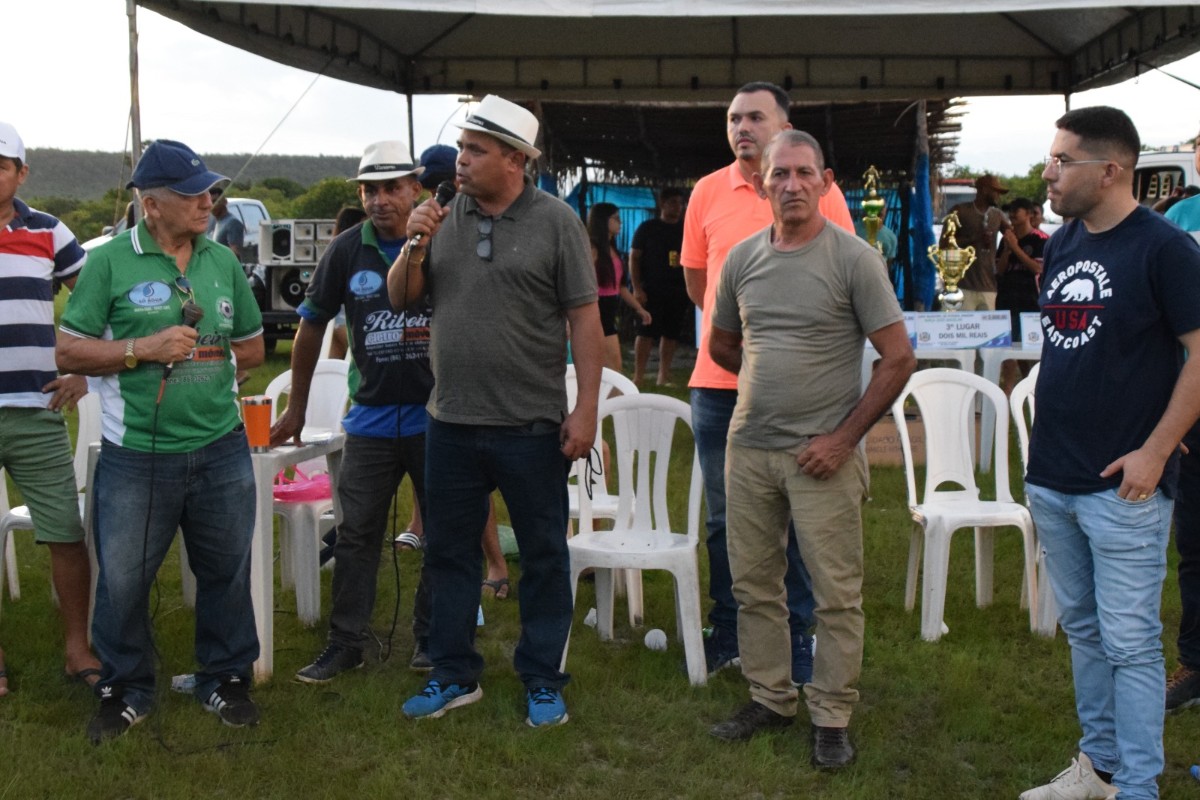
pixel 1120 302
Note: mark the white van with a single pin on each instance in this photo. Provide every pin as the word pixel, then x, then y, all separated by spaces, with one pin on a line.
pixel 1161 172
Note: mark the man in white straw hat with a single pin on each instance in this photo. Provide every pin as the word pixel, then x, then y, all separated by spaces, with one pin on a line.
pixel 385 426
pixel 506 267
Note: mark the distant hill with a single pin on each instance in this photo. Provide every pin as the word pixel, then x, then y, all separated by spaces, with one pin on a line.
pixel 87 175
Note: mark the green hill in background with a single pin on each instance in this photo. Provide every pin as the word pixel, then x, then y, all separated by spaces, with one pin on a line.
pixel 87 175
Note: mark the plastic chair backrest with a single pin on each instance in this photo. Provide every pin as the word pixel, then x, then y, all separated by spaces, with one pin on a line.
pixel 326 397
pixel 644 427
pixel 610 381
pixel 87 434
pixel 1021 401
pixel 946 399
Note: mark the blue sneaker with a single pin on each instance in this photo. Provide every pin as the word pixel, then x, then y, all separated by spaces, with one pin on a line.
pixel 546 708
pixel 802 659
pixel 435 700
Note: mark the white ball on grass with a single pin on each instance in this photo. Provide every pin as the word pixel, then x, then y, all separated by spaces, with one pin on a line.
pixel 655 639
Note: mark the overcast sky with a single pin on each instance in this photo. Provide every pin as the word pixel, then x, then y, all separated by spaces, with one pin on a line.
pixel 69 72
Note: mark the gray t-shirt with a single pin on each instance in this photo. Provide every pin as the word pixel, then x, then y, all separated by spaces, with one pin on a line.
pixel 803 316
pixel 498 337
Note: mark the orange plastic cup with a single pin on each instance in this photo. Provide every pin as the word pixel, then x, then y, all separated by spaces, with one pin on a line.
pixel 256 414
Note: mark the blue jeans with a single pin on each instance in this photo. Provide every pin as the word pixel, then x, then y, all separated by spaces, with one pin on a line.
pixel 1107 559
pixel 463 465
pixel 711 411
pixel 141 499
pixel 1187 542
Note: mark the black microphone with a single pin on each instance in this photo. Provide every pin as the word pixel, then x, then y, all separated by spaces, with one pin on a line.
pixel 445 193
pixel 192 314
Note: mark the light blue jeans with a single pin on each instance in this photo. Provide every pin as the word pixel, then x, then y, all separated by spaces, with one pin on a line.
pixel 1107 559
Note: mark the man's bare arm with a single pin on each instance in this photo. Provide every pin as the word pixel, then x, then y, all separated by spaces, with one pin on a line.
pixel 696 281
pixel 1143 467
pixel 725 347
pixel 249 353
pixel 587 351
pixel 826 454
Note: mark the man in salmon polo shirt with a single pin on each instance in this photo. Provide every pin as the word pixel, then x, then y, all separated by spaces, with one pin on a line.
pixel 724 209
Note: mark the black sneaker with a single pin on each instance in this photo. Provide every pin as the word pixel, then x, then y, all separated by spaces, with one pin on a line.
pixel 747 721
pixel 831 747
pixel 420 659
pixel 334 659
pixel 721 651
pixel 231 702
pixel 1183 689
pixel 112 719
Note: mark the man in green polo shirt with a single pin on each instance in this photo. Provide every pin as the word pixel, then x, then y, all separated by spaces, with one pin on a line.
pixel 174 453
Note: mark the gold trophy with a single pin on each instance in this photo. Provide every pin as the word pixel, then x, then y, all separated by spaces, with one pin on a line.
pixel 872 207
pixel 952 263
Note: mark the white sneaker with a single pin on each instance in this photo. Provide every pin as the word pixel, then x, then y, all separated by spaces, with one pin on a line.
pixel 1077 782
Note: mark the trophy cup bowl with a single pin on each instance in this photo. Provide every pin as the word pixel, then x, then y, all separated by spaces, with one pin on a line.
pixel 952 263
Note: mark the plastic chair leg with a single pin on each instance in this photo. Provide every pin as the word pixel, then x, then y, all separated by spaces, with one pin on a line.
pixel 10 566
pixel 985 560
pixel 632 579
pixel 687 601
pixel 562 664
pixel 306 569
pixel 933 594
pixel 1047 613
pixel 1029 576
pixel 187 578
pixel 604 603
pixel 915 545
pixel 4 537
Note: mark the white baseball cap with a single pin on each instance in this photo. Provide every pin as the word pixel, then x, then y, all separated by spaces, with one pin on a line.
pixel 11 145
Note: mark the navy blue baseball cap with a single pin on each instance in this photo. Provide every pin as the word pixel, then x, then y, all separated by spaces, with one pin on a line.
pixel 175 166
pixel 439 163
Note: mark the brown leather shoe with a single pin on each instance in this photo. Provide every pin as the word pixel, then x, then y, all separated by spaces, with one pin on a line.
pixel 831 747
pixel 747 721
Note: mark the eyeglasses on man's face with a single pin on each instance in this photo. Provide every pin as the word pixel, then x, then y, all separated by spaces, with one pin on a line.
pixel 1055 164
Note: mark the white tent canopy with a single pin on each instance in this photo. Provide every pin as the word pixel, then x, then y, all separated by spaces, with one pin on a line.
pixel 701 50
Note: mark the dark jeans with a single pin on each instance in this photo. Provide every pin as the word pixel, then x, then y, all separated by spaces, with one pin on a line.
pixel 711 411
pixel 1187 541
pixel 464 463
pixel 371 470
pixel 141 499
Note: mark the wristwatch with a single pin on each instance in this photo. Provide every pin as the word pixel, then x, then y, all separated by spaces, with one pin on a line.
pixel 130 359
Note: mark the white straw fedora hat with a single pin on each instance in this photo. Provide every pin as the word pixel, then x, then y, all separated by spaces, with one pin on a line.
pixel 383 161
pixel 507 121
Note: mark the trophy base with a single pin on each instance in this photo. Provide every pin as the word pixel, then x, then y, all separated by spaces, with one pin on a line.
pixel 951 301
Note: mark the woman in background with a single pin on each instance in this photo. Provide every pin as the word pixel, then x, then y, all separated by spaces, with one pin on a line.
pixel 603 224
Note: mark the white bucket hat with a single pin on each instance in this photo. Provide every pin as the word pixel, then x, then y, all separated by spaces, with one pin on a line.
pixel 383 161
pixel 507 121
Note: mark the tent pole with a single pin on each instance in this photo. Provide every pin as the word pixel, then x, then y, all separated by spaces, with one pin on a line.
pixel 135 106
pixel 408 100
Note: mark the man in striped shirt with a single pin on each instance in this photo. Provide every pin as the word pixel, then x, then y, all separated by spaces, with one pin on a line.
pixel 35 251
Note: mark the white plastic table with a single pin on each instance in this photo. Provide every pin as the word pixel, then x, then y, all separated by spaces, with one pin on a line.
pixel 992 358
pixel 262 581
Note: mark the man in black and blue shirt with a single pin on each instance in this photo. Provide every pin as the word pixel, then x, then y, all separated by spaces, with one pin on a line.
pixel 390 381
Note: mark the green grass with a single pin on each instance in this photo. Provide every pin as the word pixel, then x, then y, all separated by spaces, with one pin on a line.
pixel 986 712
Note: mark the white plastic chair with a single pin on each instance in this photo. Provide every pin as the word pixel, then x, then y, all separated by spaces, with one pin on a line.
pixel 1021 401
pixel 946 399
pixel 304 523
pixel 19 518
pixel 604 504
pixel 643 538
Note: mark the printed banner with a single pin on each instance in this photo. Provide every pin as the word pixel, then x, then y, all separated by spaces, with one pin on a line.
pixel 963 330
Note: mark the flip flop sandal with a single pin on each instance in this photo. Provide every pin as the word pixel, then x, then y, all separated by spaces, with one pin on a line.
pixel 497 588
pixel 409 541
pixel 82 676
